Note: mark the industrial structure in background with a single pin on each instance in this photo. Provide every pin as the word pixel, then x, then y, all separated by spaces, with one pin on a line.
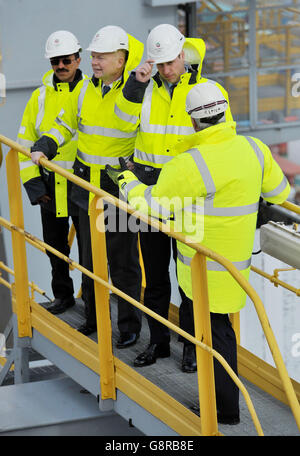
pixel 52 378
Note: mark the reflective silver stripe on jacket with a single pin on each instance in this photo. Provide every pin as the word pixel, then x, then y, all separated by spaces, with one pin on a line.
pixel 152 158
pixel 209 208
pixel 64 124
pixel 153 204
pixel 81 96
pixel 258 153
pixel 25 142
pixel 102 131
pixel 64 164
pixel 124 116
pixel 147 127
pixel 214 265
pixel 276 190
pixel 98 160
pixel 26 164
pixel 41 109
pixel 57 134
pixel 131 185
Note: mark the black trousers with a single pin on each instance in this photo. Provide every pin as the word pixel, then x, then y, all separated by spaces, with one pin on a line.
pixel 55 233
pixel 224 342
pixel 124 270
pixel 156 251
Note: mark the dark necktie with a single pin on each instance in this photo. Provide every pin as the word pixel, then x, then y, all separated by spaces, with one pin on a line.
pixel 105 89
pixel 172 89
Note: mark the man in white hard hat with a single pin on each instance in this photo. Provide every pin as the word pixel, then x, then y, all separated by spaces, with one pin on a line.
pixel 45 188
pixel 90 112
pixel 155 105
pixel 214 182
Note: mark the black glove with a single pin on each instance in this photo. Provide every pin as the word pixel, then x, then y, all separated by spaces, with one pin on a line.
pixel 114 173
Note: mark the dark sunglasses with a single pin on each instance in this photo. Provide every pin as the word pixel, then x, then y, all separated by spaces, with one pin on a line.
pixel 65 60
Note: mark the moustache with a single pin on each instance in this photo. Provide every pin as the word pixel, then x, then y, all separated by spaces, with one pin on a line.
pixel 62 70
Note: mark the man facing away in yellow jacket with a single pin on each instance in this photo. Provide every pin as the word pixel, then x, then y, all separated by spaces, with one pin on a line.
pixel 210 191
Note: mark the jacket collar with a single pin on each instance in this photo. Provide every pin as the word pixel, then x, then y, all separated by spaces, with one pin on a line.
pixel 190 71
pixel 72 85
pixel 117 84
pixel 215 134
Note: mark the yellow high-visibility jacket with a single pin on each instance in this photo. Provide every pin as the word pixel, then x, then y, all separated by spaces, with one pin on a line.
pixel 161 121
pixel 100 140
pixel 212 188
pixel 39 114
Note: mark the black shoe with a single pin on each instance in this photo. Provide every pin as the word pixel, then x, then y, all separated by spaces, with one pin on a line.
pixel 153 351
pixel 61 305
pixel 189 363
pixel 222 419
pixel 127 339
pixel 87 329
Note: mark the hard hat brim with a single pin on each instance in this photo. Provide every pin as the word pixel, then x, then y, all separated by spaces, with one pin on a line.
pixel 49 55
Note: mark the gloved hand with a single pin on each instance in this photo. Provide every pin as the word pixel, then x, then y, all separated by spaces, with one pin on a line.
pixel 114 173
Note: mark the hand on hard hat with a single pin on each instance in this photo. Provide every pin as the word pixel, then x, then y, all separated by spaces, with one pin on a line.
pixel 144 71
pixel 36 156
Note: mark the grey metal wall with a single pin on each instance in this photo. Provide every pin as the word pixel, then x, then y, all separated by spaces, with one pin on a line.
pixel 24 28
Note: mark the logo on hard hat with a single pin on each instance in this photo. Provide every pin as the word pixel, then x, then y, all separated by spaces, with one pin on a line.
pixel 56 41
pixel 157 44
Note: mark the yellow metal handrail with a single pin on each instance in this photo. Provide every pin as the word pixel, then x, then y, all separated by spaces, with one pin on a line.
pixel 200 295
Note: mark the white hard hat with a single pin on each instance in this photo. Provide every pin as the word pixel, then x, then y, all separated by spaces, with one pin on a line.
pixel 109 39
pixel 61 42
pixel 205 100
pixel 164 43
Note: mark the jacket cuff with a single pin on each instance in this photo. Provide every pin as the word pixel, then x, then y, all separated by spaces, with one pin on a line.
pixel 134 90
pixel 35 189
pixel 46 145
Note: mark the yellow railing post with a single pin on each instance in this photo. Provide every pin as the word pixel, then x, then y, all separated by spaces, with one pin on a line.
pixel 18 244
pixel 235 322
pixel 107 375
pixel 206 379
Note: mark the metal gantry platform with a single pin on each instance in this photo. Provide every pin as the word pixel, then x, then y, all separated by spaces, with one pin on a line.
pixel 59 395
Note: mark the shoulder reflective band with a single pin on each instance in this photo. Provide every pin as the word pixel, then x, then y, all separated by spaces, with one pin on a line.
pixel 258 153
pixel 209 208
pixel 81 96
pixel 41 109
